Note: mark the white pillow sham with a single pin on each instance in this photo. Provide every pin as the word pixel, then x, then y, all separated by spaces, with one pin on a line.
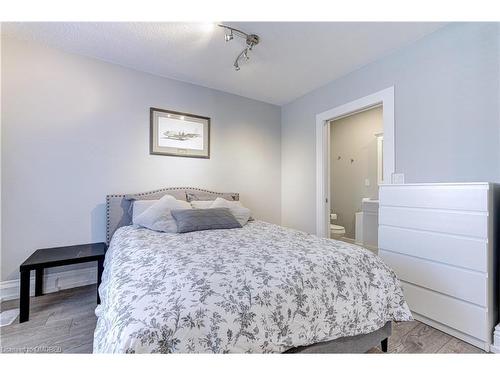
pixel 139 206
pixel 158 217
pixel 241 213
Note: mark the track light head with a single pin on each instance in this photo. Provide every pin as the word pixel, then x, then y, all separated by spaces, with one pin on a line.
pixel 250 39
pixel 228 35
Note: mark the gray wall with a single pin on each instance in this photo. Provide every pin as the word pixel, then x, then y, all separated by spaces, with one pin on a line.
pixel 353 137
pixel 446 116
pixel 76 129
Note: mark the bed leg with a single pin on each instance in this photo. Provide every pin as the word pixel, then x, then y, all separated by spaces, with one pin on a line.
pixel 384 344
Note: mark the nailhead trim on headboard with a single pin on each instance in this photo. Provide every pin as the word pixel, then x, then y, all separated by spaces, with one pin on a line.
pixel 124 196
pixel 107 218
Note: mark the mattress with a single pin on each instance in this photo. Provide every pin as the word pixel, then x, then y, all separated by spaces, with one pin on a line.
pixel 262 288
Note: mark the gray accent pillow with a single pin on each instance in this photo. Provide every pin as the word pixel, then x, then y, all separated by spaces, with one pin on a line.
pixel 204 219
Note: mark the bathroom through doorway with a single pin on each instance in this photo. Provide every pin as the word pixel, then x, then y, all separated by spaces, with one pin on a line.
pixel 355 172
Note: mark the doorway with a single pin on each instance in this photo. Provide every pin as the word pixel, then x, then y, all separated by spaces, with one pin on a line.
pixel 355 172
pixel 384 99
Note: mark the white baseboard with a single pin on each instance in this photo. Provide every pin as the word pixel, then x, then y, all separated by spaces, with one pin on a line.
pixel 54 282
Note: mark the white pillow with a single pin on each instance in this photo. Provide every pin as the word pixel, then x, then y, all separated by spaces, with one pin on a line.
pixel 138 207
pixel 158 216
pixel 201 204
pixel 242 214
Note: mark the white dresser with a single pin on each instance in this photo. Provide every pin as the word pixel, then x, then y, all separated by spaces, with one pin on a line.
pixel 441 240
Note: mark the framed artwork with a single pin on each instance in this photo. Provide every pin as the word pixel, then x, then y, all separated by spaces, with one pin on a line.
pixel 179 134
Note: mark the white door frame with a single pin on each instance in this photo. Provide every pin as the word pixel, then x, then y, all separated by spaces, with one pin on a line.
pixel 386 99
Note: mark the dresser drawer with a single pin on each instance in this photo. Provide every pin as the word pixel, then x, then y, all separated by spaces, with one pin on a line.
pixel 446 197
pixel 468 224
pixel 456 314
pixel 466 252
pixel 470 286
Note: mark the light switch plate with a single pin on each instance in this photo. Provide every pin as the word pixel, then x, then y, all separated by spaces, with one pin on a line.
pixel 398 178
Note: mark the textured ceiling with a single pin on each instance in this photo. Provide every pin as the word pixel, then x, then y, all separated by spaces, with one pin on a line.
pixel 291 59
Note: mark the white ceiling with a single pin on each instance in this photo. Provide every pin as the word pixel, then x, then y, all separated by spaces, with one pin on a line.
pixel 292 58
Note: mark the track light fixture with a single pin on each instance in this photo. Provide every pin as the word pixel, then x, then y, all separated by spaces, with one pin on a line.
pixel 250 39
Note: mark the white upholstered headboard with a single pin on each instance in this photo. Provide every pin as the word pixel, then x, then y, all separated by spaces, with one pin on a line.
pixel 118 206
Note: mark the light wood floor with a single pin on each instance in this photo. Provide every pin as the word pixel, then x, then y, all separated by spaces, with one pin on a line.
pixel 65 322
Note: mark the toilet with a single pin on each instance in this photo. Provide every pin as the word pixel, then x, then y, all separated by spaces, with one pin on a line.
pixel 337 231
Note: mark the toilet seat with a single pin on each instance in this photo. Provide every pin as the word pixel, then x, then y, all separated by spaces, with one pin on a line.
pixel 337 229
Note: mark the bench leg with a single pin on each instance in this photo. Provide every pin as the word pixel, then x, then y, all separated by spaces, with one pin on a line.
pixel 384 344
pixel 100 269
pixel 24 297
pixel 39 282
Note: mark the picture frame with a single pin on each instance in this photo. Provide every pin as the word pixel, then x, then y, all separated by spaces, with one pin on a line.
pixel 182 134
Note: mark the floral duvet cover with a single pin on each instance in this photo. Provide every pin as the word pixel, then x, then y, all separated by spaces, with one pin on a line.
pixel 259 289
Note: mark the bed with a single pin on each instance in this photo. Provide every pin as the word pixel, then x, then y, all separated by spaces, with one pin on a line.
pixel 262 288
